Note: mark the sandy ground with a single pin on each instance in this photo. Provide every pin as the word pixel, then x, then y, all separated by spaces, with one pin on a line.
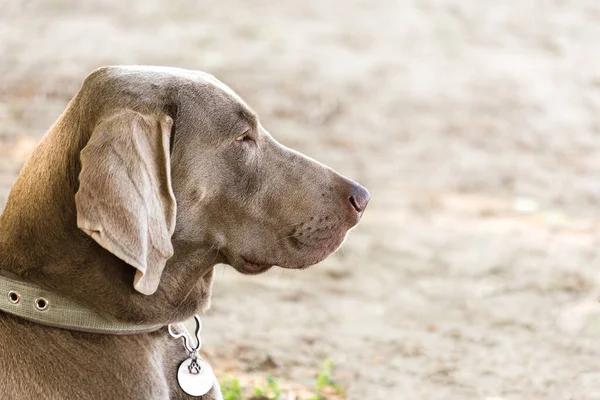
pixel 474 123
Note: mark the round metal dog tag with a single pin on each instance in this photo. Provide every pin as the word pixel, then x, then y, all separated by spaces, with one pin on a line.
pixel 195 377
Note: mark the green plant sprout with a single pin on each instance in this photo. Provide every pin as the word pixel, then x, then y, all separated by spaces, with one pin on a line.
pixel 231 388
pixel 271 392
pixel 325 380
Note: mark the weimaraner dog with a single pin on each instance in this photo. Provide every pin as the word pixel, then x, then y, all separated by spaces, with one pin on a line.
pixel 149 178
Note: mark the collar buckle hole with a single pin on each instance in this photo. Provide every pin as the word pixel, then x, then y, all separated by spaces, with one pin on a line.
pixel 41 304
pixel 14 296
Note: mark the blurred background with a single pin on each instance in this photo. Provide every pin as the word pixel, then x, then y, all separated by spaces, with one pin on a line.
pixel 474 123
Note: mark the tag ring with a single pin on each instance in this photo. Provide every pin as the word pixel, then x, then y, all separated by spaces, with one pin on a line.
pixel 190 348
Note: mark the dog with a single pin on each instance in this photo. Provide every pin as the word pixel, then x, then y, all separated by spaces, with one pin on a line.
pixel 148 179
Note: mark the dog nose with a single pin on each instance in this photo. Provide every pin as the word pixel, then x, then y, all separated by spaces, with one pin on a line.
pixel 359 198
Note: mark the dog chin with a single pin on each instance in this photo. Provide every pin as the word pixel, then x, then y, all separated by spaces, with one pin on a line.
pixel 248 267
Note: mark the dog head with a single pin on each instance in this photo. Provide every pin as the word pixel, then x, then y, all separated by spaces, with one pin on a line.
pixel 177 156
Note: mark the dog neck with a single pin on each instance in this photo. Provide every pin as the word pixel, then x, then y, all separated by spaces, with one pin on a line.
pixel 40 242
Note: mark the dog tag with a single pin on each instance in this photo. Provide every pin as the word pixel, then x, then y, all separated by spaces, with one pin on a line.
pixel 195 376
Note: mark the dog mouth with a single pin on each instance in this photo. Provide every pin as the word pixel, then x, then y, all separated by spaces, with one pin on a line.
pixel 249 267
pixel 304 248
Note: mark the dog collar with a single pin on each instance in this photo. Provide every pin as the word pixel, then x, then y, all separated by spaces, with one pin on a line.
pixel 28 301
pixel 31 302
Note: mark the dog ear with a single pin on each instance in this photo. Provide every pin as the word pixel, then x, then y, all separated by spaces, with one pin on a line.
pixel 125 201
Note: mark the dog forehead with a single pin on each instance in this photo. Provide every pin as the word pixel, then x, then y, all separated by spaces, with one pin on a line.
pixel 158 73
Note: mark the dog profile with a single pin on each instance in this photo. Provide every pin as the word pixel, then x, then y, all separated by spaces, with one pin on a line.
pixel 149 178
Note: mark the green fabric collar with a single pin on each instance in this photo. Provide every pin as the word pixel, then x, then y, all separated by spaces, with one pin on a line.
pixel 31 302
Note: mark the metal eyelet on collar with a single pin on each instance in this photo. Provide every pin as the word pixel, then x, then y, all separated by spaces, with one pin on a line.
pixel 14 296
pixel 41 304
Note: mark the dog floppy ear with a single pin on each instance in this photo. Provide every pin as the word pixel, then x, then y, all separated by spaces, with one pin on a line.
pixel 125 201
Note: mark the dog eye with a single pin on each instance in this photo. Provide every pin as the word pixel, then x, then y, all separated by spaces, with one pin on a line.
pixel 243 137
